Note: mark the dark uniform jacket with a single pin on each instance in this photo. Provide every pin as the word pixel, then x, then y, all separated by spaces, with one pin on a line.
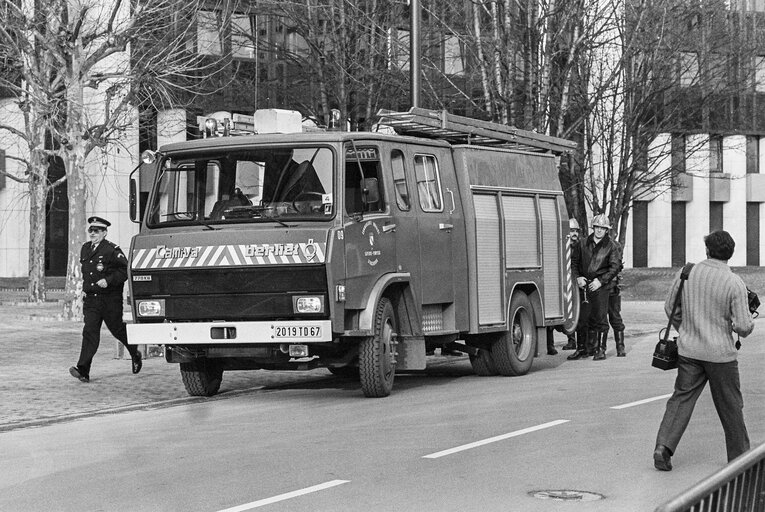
pixel 602 260
pixel 108 262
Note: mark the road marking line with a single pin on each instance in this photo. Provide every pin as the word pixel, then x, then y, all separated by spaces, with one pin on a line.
pixel 285 496
pixel 494 439
pixel 641 402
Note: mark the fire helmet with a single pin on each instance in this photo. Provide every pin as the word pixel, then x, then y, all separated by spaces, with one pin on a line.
pixel 601 221
pixel 572 223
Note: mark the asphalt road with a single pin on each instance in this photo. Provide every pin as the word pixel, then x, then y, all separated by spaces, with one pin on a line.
pixel 443 441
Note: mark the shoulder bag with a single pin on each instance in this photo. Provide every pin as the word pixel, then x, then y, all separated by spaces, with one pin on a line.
pixel 665 353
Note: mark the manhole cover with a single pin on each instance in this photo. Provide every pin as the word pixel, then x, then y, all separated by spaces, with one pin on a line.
pixel 567 495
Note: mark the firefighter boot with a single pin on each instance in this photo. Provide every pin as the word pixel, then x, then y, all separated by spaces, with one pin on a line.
pixel 600 339
pixel 581 348
pixel 592 342
pixel 619 337
pixel 550 343
pixel 571 345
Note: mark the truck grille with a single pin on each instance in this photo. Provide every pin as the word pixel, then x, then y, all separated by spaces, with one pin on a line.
pixel 231 294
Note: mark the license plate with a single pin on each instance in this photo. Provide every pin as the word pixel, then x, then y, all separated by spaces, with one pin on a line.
pixel 297 331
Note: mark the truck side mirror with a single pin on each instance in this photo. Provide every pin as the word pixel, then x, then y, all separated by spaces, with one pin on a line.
pixel 371 190
pixel 133 200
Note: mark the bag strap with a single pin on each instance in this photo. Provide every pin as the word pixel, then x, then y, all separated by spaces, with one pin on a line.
pixel 683 278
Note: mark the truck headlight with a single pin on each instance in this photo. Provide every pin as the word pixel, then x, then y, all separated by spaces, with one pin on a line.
pixel 308 304
pixel 153 308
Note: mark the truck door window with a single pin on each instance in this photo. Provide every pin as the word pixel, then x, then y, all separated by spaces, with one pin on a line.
pixel 368 159
pixel 428 183
pixel 399 180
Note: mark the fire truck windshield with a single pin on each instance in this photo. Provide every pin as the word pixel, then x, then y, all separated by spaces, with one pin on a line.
pixel 252 185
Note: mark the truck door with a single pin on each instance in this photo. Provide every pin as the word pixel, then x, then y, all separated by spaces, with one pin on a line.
pixel 368 228
pixel 437 196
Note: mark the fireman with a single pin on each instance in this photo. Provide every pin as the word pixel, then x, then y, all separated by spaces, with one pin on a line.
pixel 104 272
pixel 573 241
pixel 615 308
pixel 595 265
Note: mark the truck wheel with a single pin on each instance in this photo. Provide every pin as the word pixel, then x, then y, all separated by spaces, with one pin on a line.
pixel 377 361
pixel 483 363
pixel 201 378
pixel 513 353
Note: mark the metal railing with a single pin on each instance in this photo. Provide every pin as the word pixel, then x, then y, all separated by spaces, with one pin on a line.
pixel 738 487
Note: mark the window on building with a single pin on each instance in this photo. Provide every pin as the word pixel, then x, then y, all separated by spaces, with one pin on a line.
pixel 715 215
pixel 678 152
pixel 752 155
pixel 428 183
pixel 759 73
pixel 453 62
pixel 209 33
pixel 716 153
pixel 399 180
pixel 242 36
pixel 296 44
pixel 717 71
pixel 688 69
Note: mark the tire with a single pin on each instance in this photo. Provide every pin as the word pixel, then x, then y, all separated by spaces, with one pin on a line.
pixel 201 378
pixel 513 353
pixel 377 361
pixel 483 363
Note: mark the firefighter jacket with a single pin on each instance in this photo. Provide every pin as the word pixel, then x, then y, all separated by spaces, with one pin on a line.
pixel 602 260
pixel 108 262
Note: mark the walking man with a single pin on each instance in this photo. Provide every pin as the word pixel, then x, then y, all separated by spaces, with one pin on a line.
pixel 104 272
pixel 713 303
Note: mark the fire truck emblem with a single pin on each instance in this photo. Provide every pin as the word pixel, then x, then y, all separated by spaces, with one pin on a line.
pixel 371 254
pixel 309 251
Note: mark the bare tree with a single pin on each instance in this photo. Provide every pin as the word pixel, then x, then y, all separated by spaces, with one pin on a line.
pixel 79 71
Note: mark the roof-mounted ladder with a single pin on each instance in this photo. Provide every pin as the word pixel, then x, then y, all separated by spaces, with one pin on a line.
pixel 420 122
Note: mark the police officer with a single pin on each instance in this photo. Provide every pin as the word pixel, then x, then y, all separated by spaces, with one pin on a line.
pixel 595 266
pixel 104 271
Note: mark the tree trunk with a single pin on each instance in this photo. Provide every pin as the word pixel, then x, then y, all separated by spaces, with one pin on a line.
pixel 76 192
pixel 37 221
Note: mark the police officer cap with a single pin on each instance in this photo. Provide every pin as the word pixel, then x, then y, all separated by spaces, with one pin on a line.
pixel 98 222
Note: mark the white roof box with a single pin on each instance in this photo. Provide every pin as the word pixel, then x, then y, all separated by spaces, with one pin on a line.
pixel 274 120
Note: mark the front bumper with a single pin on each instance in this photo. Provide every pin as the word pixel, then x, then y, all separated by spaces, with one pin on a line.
pixel 230 333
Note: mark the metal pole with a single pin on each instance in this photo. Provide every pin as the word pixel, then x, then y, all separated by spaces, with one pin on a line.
pixel 414 52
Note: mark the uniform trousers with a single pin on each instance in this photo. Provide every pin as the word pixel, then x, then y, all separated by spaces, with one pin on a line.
pixel 615 309
pixel 692 376
pixel 593 314
pixel 98 309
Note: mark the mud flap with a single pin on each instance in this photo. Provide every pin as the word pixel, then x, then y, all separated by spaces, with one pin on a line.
pixel 410 353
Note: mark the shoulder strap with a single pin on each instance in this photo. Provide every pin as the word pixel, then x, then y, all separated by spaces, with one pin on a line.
pixel 683 278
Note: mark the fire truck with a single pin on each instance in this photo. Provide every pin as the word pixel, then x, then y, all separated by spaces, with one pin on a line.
pixel 359 252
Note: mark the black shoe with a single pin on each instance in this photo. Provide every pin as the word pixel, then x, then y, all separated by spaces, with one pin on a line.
pixel 662 460
pixel 579 354
pixel 551 351
pixel 571 345
pixel 74 372
pixel 137 363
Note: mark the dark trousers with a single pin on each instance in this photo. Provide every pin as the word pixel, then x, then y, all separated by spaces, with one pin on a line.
pixel 692 375
pixel 98 309
pixel 615 309
pixel 593 314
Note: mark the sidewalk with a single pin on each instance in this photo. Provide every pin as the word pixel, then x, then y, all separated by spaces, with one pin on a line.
pixel 38 348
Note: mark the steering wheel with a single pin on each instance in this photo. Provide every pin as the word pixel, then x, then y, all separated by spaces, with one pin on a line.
pixel 306 194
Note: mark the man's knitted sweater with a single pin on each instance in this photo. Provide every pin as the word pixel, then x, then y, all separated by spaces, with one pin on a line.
pixel 713 306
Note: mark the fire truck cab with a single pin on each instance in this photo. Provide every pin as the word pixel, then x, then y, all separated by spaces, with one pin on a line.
pixel 355 251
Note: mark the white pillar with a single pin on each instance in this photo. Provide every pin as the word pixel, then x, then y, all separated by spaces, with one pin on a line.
pixel 697 210
pixel 660 207
pixel 734 210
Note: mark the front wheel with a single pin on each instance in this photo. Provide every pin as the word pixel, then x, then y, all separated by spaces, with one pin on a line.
pixel 513 353
pixel 201 377
pixel 377 359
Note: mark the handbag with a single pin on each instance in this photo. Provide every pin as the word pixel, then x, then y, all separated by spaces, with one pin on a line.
pixel 665 353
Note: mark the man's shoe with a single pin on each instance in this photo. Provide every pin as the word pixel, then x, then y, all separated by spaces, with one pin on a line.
pixel 137 362
pixel 74 372
pixel 551 351
pixel 571 345
pixel 662 460
pixel 579 354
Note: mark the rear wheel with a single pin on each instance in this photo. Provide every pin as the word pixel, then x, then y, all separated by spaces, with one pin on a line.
pixel 513 353
pixel 483 363
pixel 377 360
pixel 201 377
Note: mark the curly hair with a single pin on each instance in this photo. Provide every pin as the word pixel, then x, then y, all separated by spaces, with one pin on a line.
pixel 720 245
